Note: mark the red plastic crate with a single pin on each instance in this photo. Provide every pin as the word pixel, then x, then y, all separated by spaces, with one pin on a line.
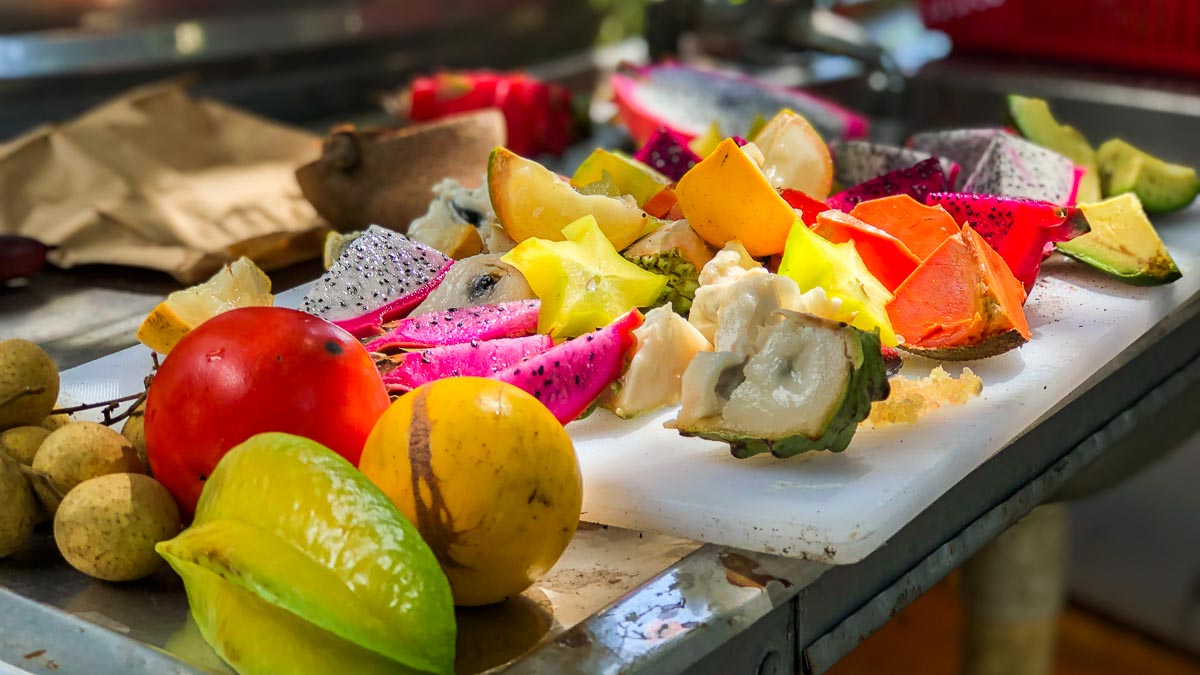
pixel 1161 35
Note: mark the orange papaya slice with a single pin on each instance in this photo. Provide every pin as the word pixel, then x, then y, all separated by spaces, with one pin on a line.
pixel 962 303
pixel 886 256
pixel 921 228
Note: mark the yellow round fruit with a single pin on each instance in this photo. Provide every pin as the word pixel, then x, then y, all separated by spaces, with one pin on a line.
pixel 487 475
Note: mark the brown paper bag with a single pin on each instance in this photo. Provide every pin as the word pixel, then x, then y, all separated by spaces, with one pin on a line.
pixel 161 180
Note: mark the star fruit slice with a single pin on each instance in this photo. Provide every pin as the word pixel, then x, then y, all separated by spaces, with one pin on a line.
pixel 583 282
pixel 811 260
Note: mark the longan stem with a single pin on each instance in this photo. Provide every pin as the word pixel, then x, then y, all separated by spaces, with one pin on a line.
pixel 113 402
pixel 27 391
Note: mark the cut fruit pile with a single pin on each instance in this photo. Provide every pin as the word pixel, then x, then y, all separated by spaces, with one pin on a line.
pixel 397 446
pixel 743 258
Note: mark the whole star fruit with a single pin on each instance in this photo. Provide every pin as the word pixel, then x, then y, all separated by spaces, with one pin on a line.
pixel 296 562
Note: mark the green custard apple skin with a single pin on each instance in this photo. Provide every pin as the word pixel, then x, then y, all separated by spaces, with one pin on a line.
pixel 289 529
pixel 676 252
pixel 866 382
pixel 1162 187
pixel 1122 243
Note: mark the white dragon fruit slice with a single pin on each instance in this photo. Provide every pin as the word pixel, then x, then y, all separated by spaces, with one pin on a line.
pixel 964 147
pixel 1014 167
pixel 379 277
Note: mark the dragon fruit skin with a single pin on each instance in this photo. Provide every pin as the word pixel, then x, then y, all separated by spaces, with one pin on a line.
pixel 380 276
pixel 568 377
pixel 1020 230
pixel 455 326
pixel 477 359
pixel 687 100
pixel 917 181
pixel 964 147
pixel 668 153
pixel 856 162
pixel 1014 167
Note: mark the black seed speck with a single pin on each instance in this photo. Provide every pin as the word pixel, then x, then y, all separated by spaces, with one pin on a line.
pixel 333 347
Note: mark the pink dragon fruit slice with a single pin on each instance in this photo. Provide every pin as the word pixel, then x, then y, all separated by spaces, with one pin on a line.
pixel 379 277
pixel 667 151
pixel 917 181
pixel 1020 230
pixel 568 377
pixel 687 100
pixel 856 162
pixel 1014 167
pixel 964 147
pixel 475 358
pixel 455 326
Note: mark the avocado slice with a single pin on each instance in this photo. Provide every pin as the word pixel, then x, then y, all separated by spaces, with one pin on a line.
pixel 1122 243
pixel 1033 117
pixel 1161 186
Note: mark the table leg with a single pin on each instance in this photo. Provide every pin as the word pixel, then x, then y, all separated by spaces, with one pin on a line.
pixel 1013 591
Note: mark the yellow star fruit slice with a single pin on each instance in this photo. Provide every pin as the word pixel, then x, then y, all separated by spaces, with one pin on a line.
pixel 813 261
pixel 583 282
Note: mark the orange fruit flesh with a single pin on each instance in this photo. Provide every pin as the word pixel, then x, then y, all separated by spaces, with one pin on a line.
pixel 961 296
pixel 921 228
pixel 886 256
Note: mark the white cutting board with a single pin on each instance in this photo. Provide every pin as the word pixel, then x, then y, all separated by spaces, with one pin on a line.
pixel 836 508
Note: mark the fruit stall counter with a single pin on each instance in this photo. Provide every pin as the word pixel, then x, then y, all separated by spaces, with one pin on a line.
pixel 634 599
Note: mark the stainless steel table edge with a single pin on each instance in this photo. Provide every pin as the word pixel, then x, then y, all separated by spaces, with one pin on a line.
pixel 722 610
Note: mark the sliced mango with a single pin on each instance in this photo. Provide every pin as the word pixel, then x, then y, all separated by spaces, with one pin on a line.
pixel 583 282
pixel 811 261
pixel 532 201
pixel 727 197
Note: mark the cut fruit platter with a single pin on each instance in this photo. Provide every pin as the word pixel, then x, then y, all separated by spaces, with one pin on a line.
pixel 755 341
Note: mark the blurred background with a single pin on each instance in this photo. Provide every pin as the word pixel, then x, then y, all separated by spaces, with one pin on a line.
pixel 1127 67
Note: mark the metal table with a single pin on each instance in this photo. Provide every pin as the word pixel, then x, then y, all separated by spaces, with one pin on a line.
pixel 619 601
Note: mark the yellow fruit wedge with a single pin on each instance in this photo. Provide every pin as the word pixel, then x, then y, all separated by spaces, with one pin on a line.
pixel 630 176
pixel 705 143
pixel 811 261
pixel 532 201
pixel 727 197
pixel 795 155
pixel 583 282
pixel 239 284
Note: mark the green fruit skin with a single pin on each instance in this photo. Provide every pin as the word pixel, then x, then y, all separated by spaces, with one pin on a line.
pixel 1035 121
pixel 1162 187
pixel 257 637
pixel 296 527
pixel 868 383
pixel 1156 273
pixel 682 279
